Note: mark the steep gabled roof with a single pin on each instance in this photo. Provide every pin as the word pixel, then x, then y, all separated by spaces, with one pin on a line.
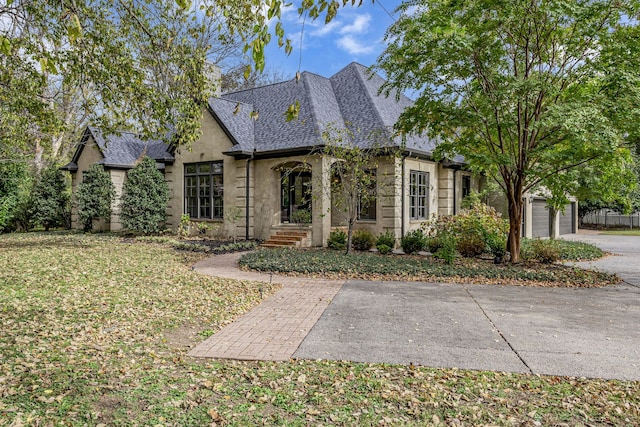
pixel 121 151
pixel 349 98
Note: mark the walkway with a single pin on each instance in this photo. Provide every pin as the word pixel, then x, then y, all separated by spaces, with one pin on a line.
pixel 274 329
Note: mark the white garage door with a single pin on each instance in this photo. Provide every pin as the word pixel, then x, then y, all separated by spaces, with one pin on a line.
pixel 540 219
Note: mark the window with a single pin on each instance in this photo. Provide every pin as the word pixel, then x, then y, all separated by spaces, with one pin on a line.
pixel 466 185
pixel 418 195
pixel 203 190
pixel 367 201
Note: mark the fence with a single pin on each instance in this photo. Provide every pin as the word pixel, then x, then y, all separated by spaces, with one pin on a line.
pixel 607 219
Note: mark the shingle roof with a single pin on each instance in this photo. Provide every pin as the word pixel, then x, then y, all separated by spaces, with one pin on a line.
pixel 350 97
pixel 122 150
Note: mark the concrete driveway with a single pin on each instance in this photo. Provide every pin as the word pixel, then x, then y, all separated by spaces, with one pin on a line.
pixel 555 331
pixel 625 258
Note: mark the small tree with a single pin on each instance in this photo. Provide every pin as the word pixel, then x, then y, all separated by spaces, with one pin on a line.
pixel 94 196
pixel 50 199
pixel 145 195
pixel 353 184
pixel 15 190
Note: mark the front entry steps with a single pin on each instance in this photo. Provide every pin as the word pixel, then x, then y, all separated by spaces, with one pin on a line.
pixel 288 238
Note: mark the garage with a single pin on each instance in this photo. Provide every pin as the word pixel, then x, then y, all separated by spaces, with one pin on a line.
pixel 540 218
pixel 567 219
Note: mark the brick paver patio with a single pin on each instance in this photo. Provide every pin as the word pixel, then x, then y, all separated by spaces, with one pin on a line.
pixel 274 329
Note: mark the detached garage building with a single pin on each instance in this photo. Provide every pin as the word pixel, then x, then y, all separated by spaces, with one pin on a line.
pixel 537 220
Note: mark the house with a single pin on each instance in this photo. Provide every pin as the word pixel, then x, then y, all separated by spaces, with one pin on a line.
pixel 253 163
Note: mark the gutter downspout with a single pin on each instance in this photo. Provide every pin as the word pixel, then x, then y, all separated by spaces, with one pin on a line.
pixel 455 199
pixel 402 196
pixel 246 197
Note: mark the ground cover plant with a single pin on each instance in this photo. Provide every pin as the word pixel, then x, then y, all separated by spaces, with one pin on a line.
pixel 463 270
pixel 95 330
pixel 628 232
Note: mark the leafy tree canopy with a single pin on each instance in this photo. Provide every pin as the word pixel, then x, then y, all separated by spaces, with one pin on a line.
pixel 525 90
pixel 124 64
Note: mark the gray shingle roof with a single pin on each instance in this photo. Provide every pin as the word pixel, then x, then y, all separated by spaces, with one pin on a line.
pixel 122 150
pixel 350 97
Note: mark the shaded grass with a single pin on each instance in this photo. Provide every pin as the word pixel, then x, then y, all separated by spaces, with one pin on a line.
pixel 372 266
pixel 95 332
pixel 634 232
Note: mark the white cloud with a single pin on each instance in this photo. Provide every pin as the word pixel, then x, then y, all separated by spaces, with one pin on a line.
pixel 360 25
pixel 354 47
pixel 325 29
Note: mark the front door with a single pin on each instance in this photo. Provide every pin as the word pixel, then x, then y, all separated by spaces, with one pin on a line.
pixel 295 194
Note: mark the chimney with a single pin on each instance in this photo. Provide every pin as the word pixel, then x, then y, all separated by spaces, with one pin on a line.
pixel 214 77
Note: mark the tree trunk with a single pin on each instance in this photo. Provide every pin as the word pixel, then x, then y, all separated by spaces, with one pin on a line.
pixel 553 214
pixel 349 237
pixel 515 204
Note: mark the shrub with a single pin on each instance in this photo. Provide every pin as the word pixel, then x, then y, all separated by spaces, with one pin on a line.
pixel 50 199
pixel 544 251
pixel 337 239
pixel 94 196
pixel 433 243
pixel 387 238
pixel 447 250
pixel 301 216
pixel 384 249
pixel 362 240
pixel 471 228
pixel 144 198
pixel 471 244
pixel 15 200
pixel 497 244
pixel 412 242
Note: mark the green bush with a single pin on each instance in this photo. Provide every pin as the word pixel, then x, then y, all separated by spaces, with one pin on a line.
pixel 301 216
pixel 387 238
pixel 145 194
pixel 15 196
pixel 50 197
pixel 362 240
pixel 497 244
pixel 471 228
pixel 471 244
pixel 337 240
pixel 94 196
pixel 413 241
pixel 433 243
pixel 544 251
pixel 447 249
pixel 384 249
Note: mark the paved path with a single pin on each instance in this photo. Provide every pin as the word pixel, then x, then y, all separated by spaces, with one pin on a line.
pixel 555 331
pixel 625 258
pixel 274 329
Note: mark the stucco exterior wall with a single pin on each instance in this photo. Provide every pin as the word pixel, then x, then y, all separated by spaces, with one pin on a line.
pixel 118 178
pixel 209 147
pixel 435 196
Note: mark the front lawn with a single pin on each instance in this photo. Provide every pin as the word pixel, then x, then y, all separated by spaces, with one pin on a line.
pixel 95 330
pixel 629 232
pixel 369 266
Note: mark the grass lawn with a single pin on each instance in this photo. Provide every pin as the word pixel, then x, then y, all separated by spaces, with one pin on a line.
pixel 629 232
pixel 95 330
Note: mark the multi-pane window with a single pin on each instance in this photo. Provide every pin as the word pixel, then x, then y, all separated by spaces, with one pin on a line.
pixel 367 201
pixel 203 190
pixel 418 195
pixel 466 186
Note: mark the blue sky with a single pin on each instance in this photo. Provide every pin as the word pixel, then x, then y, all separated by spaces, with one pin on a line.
pixel 355 34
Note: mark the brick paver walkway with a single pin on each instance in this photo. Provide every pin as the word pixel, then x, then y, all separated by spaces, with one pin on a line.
pixel 274 329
